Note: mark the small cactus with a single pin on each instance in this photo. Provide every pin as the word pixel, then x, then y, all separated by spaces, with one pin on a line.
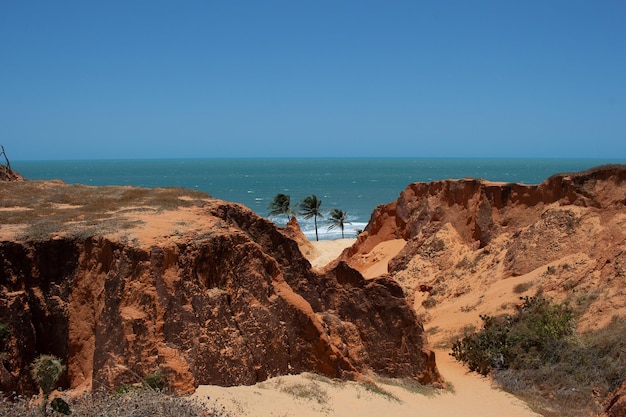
pixel 46 371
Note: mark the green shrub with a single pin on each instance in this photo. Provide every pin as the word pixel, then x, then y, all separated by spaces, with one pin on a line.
pixel 535 354
pixel 124 389
pixel 307 391
pixel 533 336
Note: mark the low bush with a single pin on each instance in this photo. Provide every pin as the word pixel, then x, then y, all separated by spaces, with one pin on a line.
pixel 536 355
pixel 142 402
pixel 522 287
pixel 534 336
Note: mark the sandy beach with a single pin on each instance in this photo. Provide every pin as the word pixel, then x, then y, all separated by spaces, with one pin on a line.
pixel 326 251
pixel 310 395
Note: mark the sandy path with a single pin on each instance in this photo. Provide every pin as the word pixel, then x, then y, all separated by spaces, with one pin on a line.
pixel 475 395
pixel 309 395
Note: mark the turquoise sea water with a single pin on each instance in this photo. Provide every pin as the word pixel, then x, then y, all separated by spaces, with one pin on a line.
pixel 355 185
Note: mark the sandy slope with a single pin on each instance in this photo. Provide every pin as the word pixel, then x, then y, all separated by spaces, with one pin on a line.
pixel 309 395
pixel 325 251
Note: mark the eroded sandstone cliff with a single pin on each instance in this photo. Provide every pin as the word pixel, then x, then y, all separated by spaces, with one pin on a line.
pixel 463 238
pixel 464 248
pixel 215 295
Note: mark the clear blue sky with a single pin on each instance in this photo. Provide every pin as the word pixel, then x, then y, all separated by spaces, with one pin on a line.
pixel 263 78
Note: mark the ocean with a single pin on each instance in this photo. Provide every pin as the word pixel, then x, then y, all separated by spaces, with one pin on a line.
pixel 354 185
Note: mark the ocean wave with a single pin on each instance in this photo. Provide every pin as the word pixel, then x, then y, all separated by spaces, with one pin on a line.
pixel 350 230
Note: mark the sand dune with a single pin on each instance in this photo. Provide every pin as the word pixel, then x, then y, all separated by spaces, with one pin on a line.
pixel 309 395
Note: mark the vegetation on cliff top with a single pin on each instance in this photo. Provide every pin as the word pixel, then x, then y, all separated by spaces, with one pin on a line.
pixel 42 209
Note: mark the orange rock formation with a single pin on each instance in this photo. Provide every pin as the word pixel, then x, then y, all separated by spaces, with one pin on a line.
pixel 466 235
pixel 227 298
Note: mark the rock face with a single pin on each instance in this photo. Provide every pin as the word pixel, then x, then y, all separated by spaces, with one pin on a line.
pixel 615 404
pixel 7 174
pixel 470 247
pixel 472 233
pixel 231 302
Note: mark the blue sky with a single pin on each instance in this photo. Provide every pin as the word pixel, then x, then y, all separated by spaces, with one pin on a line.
pixel 166 79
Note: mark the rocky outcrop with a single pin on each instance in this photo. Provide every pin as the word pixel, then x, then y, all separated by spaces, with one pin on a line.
pixel 293 231
pixel 542 223
pixel 470 247
pixel 226 299
pixel 7 174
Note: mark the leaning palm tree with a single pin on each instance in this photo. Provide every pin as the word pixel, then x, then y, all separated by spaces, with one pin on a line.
pixel 310 207
pixel 280 205
pixel 338 218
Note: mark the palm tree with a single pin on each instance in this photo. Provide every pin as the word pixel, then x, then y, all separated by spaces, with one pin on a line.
pixel 338 219
pixel 310 207
pixel 280 205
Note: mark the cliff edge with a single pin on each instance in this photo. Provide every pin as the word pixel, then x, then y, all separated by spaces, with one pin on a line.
pixel 122 282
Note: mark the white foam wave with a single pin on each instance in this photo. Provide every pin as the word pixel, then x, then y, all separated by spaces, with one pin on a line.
pixel 349 231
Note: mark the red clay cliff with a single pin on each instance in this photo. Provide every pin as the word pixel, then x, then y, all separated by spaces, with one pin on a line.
pixel 206 294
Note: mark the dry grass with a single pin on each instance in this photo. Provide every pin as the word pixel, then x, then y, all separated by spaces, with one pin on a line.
pixel 102 404
pixel 43 209
pixel 522 287
pixel 312 391
pixel 410 385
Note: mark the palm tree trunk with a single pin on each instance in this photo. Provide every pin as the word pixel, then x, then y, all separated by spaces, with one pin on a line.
pixel 315 221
